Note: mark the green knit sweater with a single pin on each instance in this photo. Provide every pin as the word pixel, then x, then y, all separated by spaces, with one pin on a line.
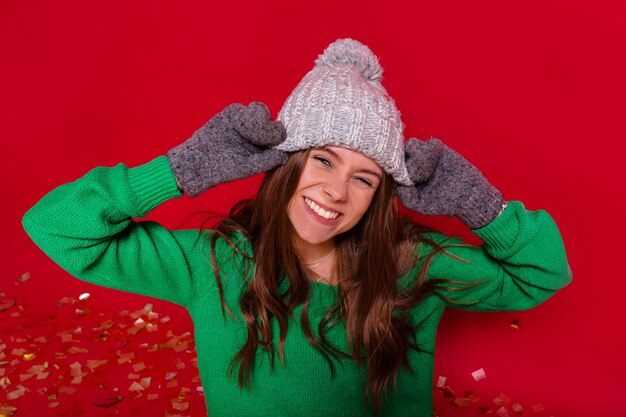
pixel 87 227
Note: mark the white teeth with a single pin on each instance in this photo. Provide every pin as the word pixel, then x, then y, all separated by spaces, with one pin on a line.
pixel 330 215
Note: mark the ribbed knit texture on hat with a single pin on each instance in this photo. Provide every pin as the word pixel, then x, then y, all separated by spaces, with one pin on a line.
pixel 341 102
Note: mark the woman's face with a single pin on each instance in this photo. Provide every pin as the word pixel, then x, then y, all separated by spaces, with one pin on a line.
pixel 335 189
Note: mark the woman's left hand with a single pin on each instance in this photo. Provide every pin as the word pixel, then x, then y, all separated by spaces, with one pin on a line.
pixel 447 184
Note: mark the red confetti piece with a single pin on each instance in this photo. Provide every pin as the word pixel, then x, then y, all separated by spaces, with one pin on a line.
pixel 538 408
pixel 108 399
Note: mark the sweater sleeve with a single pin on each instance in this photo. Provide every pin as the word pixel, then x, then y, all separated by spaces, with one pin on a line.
pixel 88 228
pixel 521 264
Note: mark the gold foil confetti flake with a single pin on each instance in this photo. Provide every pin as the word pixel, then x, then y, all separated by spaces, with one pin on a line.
pixel 76 369
pixel 84 296
pixel 179 405
pixel 152 397
pixel 135 386
pixel 441 381
pixel 53 404
pixel 139 367
pixel 514 323
pixel 15 314
pixel 29 356
pixel 5 382
pixel 82 312
pixel 107 324
pixel 126 358
pixel 538 408
pixel 16 393
pixel 18 351
pixel 22 279
pixel 6 303
pixel 170 375
pixel 66 390
pixel 24 377
pixel 179 363
pixel 94 363
pixel 7 410
pixel 138 325
pixel 200 390
pixel 165 319
pixel 74 350
pixel 517 407
pixel 66 301
pixel 145 382
pixel 134 376
pixel 479 374
pixel 152 327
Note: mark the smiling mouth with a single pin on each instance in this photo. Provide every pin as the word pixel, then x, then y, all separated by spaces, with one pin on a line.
pixel 329 215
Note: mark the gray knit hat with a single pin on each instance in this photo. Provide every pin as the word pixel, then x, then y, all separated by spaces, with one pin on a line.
pixel 341 102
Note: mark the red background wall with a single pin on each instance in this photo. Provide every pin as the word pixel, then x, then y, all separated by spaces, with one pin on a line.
pixel 531 92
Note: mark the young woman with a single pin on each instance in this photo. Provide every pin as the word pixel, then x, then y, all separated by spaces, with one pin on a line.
pixel 315 298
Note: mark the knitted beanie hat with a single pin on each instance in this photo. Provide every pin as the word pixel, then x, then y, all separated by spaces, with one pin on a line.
pixel 341 102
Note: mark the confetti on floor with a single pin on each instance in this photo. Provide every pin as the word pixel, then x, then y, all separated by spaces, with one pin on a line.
pixel 81 359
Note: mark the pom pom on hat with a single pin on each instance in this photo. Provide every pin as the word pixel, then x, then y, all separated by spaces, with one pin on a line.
pixel 341 102
pixel 349 51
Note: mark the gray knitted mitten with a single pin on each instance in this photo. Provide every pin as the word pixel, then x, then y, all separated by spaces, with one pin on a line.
pixel 234 144
pixel 447 184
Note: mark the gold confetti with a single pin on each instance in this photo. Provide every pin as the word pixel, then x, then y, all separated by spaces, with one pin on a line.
pixel 7 410
pixel 6 303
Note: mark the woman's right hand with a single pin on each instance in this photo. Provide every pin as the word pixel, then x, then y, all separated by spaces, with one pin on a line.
pixel 236 143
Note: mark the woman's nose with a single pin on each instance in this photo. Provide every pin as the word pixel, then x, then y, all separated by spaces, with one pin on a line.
pixel 336 189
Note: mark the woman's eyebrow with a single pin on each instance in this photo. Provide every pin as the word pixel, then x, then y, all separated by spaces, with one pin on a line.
pixel 363 170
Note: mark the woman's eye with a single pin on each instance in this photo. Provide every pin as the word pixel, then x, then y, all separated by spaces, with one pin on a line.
pixel 322 160
pixel 364 181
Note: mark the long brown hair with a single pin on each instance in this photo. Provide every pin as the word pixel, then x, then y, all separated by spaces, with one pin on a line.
pixel 369 260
